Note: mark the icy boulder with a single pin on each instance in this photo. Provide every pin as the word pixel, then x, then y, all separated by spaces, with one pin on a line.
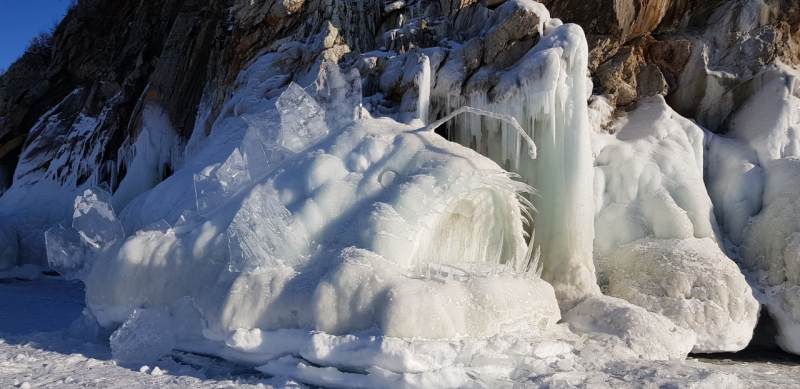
pixel 618 327
pixel 752 178
pixel 9 247
pixel 772 249
pixel 656 244
pixel 691 282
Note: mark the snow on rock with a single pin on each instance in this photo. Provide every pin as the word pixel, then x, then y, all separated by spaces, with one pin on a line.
pixel 627 328
pixel 752 178
pixel 656 243
pixel 772 249
pixel 545 90
pixel 47 179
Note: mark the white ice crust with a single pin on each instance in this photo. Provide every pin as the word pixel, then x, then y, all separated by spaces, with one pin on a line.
pixel 753 174
pixel 657 244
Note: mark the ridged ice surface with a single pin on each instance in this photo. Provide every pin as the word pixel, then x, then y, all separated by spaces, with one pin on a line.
pixel 545 92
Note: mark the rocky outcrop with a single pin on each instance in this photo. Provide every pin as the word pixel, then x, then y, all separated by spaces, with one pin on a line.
pixel 637 47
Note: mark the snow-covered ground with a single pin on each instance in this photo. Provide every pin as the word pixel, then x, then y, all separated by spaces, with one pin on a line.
pixel 38 349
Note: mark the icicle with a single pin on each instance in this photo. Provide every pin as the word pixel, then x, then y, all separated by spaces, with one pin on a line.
pixel 510 119
pixel 423 82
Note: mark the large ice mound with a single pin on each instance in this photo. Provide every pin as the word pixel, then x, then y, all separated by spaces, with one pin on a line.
pixel 753 175
pixel 375 225
pixel 657 242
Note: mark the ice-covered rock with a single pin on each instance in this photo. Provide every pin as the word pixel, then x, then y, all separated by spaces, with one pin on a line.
pixel 618 327
pixel 772 249
pixel 545 90
pixel 649 180
pixel 752 175
pixel 344 237
pixel 691 282
pixel 769 240
pixel 656 244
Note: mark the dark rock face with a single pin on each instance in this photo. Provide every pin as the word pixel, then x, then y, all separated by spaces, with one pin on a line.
pixel 117 55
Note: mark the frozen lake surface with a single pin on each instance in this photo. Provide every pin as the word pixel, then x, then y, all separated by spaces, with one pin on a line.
pixel 38 349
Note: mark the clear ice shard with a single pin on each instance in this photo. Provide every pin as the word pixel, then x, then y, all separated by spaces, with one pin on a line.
pixel 69 252
pixel 339 94
pixel 144 337
pixel 215 188
pixel 263 235
pixel 302 119
pixel 260 146
pixel 95 218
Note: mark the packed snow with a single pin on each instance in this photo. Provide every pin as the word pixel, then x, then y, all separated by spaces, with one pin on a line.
pixel 657 243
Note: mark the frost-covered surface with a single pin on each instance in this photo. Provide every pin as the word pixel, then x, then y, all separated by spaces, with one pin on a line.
pixel 753 180
pixel 657 244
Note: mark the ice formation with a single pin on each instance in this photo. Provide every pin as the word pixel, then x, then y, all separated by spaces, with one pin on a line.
pixel 657 244
pixel 753 179
pixel 320 242
pixel 340 230
pixel 627 328
pixel 546 92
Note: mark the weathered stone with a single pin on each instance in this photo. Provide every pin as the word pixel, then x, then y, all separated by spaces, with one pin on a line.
pixel 650 82
pixel 625 19
pixel 517 29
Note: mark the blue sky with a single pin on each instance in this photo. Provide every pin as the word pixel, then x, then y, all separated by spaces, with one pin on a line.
pixel 21 20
